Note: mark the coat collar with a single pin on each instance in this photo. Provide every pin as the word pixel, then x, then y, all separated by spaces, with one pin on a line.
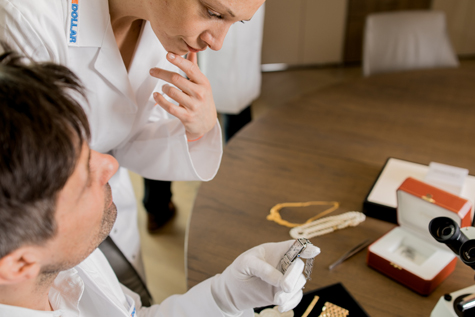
pixel 93 29
pixel 148 53
pixel 89 26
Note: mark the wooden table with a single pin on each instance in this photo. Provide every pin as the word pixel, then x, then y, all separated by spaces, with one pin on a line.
pixel 330 145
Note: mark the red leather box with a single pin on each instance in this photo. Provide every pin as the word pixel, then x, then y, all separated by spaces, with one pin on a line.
pixel 408 253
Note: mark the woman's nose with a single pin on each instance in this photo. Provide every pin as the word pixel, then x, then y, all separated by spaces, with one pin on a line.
pixel 215 38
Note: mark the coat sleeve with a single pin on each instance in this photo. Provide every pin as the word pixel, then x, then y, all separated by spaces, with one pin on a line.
pixel 159 147
pixel 112 296
pixel 198 301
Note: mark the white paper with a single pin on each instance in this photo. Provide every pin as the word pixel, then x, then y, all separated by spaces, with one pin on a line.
pixel 446 177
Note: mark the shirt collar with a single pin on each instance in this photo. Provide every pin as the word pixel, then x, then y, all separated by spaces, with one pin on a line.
pixel 64 296
pixel 66 292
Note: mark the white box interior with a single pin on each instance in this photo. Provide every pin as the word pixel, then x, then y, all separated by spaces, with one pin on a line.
pixel 396 171
pixel 409 251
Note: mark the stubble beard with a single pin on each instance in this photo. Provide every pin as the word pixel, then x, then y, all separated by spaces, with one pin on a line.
pixel 109 216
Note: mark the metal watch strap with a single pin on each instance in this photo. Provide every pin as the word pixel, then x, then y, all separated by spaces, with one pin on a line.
pixel 293 253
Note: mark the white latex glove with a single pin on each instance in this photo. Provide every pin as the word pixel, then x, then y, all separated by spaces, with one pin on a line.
pixel 252 280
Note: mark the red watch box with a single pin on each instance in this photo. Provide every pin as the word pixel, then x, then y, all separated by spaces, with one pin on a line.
pixel 408 253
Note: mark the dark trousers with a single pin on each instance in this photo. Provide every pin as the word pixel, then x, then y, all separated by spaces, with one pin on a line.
pixel 232 123
pixel 157 196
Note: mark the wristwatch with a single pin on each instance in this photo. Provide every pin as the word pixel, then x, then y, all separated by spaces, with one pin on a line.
pixel 293 253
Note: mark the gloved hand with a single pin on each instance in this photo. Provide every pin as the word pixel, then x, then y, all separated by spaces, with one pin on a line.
pixel 252 280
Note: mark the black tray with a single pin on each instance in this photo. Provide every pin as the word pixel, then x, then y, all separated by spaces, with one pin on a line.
pixel 336 294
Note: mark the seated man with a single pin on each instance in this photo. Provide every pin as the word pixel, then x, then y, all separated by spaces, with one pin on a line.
pixel 56 208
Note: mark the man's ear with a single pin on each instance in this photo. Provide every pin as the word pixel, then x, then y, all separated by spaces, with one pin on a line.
pixel 18 266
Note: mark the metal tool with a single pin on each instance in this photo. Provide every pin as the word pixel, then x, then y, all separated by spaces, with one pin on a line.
pixel 350 253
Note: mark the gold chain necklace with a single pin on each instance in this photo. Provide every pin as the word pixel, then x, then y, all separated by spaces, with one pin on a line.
pixel 274 214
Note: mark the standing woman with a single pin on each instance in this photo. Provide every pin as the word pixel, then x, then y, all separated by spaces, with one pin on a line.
pixel 126 53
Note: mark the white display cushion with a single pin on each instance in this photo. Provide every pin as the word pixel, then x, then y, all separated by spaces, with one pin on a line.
pixel 415 255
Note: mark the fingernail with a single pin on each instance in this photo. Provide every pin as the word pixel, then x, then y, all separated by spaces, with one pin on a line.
pixel 155 95
pixel 171 56
pixel 152 70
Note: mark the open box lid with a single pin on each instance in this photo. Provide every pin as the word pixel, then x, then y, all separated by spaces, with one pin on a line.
pixel 419 203
pixel 381 201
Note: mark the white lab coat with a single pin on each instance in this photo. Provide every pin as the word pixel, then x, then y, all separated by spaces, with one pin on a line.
pixel 234 72
pixel 121 109
pixel 91 289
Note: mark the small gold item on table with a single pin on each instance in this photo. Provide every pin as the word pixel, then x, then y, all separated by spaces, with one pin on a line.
pixel 310 307
pixel 332 310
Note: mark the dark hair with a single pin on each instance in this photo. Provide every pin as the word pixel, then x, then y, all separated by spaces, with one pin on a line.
pixel 42 130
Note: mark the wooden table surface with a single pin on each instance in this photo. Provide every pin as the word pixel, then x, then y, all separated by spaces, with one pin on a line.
pixel 330 145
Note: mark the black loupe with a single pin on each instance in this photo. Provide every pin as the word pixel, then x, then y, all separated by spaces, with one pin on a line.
pixel 446 230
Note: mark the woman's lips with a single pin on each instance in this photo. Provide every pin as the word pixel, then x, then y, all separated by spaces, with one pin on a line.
pixel 194 50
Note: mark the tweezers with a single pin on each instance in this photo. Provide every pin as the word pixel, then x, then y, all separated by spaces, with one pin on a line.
pixel 350 253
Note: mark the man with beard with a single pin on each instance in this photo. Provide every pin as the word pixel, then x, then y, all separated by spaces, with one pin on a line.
pixel 56 207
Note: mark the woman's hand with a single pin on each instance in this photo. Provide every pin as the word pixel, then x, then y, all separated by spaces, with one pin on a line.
pixel 196 108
